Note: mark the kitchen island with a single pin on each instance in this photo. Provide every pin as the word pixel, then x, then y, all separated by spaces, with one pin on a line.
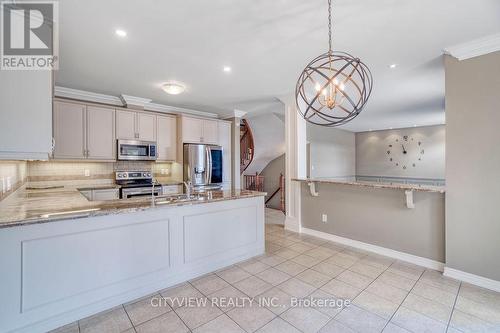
pixel 64 257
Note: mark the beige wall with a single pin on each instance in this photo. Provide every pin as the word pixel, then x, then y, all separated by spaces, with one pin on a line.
pixel 271 175
pixel 372 158
pixel 473 165
pixel 379 217
pixel 332 152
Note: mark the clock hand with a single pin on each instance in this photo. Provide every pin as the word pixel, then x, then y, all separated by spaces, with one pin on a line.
pixel 404 149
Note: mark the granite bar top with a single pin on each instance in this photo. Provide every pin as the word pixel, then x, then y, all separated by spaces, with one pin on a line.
pixel 30 206
pixel 413 187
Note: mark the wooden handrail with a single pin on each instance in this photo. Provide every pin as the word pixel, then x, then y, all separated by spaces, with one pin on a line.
pixel 281 190
pixel 246 146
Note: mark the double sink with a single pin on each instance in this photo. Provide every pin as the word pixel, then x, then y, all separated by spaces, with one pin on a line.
pixel 179 198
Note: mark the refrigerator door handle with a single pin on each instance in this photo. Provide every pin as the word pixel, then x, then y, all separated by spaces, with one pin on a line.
pixel 208 169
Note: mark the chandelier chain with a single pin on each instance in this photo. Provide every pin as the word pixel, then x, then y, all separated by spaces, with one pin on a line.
pixel 330 26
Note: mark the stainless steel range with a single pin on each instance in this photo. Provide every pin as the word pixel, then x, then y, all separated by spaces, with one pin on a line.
pixel 136 184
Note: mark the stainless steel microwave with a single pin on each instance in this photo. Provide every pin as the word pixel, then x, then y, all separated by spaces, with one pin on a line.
pixel 133 150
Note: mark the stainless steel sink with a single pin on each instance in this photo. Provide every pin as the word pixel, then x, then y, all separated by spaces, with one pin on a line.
pixel 179 198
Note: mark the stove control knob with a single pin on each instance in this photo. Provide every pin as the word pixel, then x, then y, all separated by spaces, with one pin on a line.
pixel 119 175
pixel 149 174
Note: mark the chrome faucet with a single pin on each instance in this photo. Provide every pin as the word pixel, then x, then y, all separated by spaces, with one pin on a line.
pixel 188 188
pixel 153 201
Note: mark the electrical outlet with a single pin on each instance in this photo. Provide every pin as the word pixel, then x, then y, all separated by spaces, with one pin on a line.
pixel 87 173
pixel 324 218
pixel 9 184
pixel 163 171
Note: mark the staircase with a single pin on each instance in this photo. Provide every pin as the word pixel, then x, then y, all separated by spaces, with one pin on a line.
pixel 246 145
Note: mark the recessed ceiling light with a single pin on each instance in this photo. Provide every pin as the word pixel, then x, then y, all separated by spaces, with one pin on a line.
pixel 390 127
pixel 173 88
pixel 392 66
pixel 414 125
pixel 121 33
pixel 226 69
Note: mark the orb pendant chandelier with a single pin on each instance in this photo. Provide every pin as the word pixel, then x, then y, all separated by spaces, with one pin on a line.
pixel 334 87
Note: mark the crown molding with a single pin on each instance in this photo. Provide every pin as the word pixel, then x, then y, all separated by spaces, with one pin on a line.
pixel 234 114
pixel 474 48
pixel 134 102
pixel 88 96
pixel 173 109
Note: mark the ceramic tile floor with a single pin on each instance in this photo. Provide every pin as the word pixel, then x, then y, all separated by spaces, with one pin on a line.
pixel 387 296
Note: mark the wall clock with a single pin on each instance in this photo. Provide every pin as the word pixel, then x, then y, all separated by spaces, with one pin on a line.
pixel 405 152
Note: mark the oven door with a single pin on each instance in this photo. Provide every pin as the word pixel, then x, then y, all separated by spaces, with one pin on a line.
pixel 214 156
pixel 131 150
pixel 134 192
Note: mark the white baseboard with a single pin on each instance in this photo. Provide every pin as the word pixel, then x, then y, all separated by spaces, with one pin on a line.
pixel 424 262
pixel 472 279
pixel 292 224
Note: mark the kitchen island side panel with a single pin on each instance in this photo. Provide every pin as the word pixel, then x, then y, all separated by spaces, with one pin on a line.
pixel 58 272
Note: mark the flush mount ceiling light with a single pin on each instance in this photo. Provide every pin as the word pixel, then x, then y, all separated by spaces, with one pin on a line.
pixel 333 88
pixel 173 88
pixel 392 66
pixel 226 69
pixel 121 33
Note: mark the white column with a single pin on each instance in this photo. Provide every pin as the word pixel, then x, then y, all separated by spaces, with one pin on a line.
pixel 295 162
pixel 235 118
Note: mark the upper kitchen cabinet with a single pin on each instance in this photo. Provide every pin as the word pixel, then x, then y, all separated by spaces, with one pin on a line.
pixel 101 133
pixel 166 129
pixel 83 132
pixel 131 125
pixel 210 131
pixel 69 131
pixel 198 130
pixel 25 114
pixel 146 126
pixel 126 125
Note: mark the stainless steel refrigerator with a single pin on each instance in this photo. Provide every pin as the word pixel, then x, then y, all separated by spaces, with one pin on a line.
pixel 203 166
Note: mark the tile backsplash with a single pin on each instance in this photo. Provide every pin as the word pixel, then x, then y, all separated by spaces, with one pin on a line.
pixel 12 175
pixel 95 171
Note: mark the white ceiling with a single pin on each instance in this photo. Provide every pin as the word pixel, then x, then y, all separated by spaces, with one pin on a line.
pixel 267 43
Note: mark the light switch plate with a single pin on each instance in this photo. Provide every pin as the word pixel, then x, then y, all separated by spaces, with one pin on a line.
pixel 8 186
pixel 324 218
pixel 87 173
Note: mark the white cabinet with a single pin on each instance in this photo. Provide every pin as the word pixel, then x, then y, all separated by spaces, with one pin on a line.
pixel 25 114
pixel 210 131
pixel 105 194
pixel 146 126
pixel 101 133
pixel 225 142
pixel 192 130
pixel 198 130
pixel 69 130
pixel 83 132
pixel 166 130
pixel 125 125
pixel 171 189
pixel 131 125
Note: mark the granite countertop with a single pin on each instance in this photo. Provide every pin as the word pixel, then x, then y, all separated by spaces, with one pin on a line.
pixel 414 187
pixel 30 206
